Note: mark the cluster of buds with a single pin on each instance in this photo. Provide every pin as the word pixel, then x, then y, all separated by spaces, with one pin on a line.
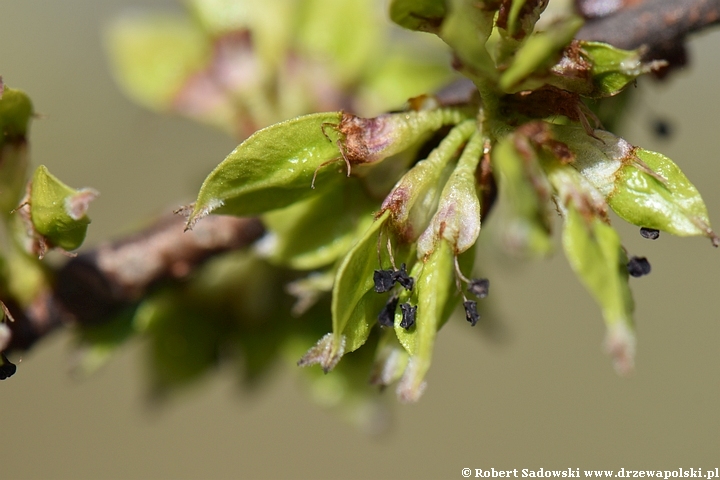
pixel 414 187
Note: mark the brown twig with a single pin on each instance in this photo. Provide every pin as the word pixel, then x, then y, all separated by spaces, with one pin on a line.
pixel 90 288
pixel 660 25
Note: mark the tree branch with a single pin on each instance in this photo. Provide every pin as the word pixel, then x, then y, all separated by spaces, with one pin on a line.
pixel 90 288
pixel 660 25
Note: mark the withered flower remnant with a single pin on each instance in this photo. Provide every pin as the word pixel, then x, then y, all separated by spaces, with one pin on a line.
pixel 638 266
pixel 409 313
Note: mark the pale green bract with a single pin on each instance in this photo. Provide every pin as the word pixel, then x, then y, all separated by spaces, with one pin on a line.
pixel 457 218
pixel 414 198
pixel 466 28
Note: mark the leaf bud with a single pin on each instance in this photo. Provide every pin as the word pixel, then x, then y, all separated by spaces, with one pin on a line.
pixel 58 212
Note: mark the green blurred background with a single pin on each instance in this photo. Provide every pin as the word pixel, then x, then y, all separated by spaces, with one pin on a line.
pixel 541 393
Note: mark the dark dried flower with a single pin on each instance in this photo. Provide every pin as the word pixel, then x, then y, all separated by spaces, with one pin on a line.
pixel 471 313
pixel 480 287
pixel 384 280
pixel 401 276
pixel 386 318
pixel 408 315
pixel 638 266
pixel 649 233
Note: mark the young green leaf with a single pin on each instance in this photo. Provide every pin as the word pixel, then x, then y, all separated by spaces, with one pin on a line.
pixel 272 169
pixel 644 188
pixel 355 306
pixel 58 212
pixel 665 200
pixel 595 254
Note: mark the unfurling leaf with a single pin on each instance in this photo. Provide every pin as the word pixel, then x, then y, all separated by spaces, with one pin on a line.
pixel 520 20
pixel 279 165
pixel 355 306
pixel 466 29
